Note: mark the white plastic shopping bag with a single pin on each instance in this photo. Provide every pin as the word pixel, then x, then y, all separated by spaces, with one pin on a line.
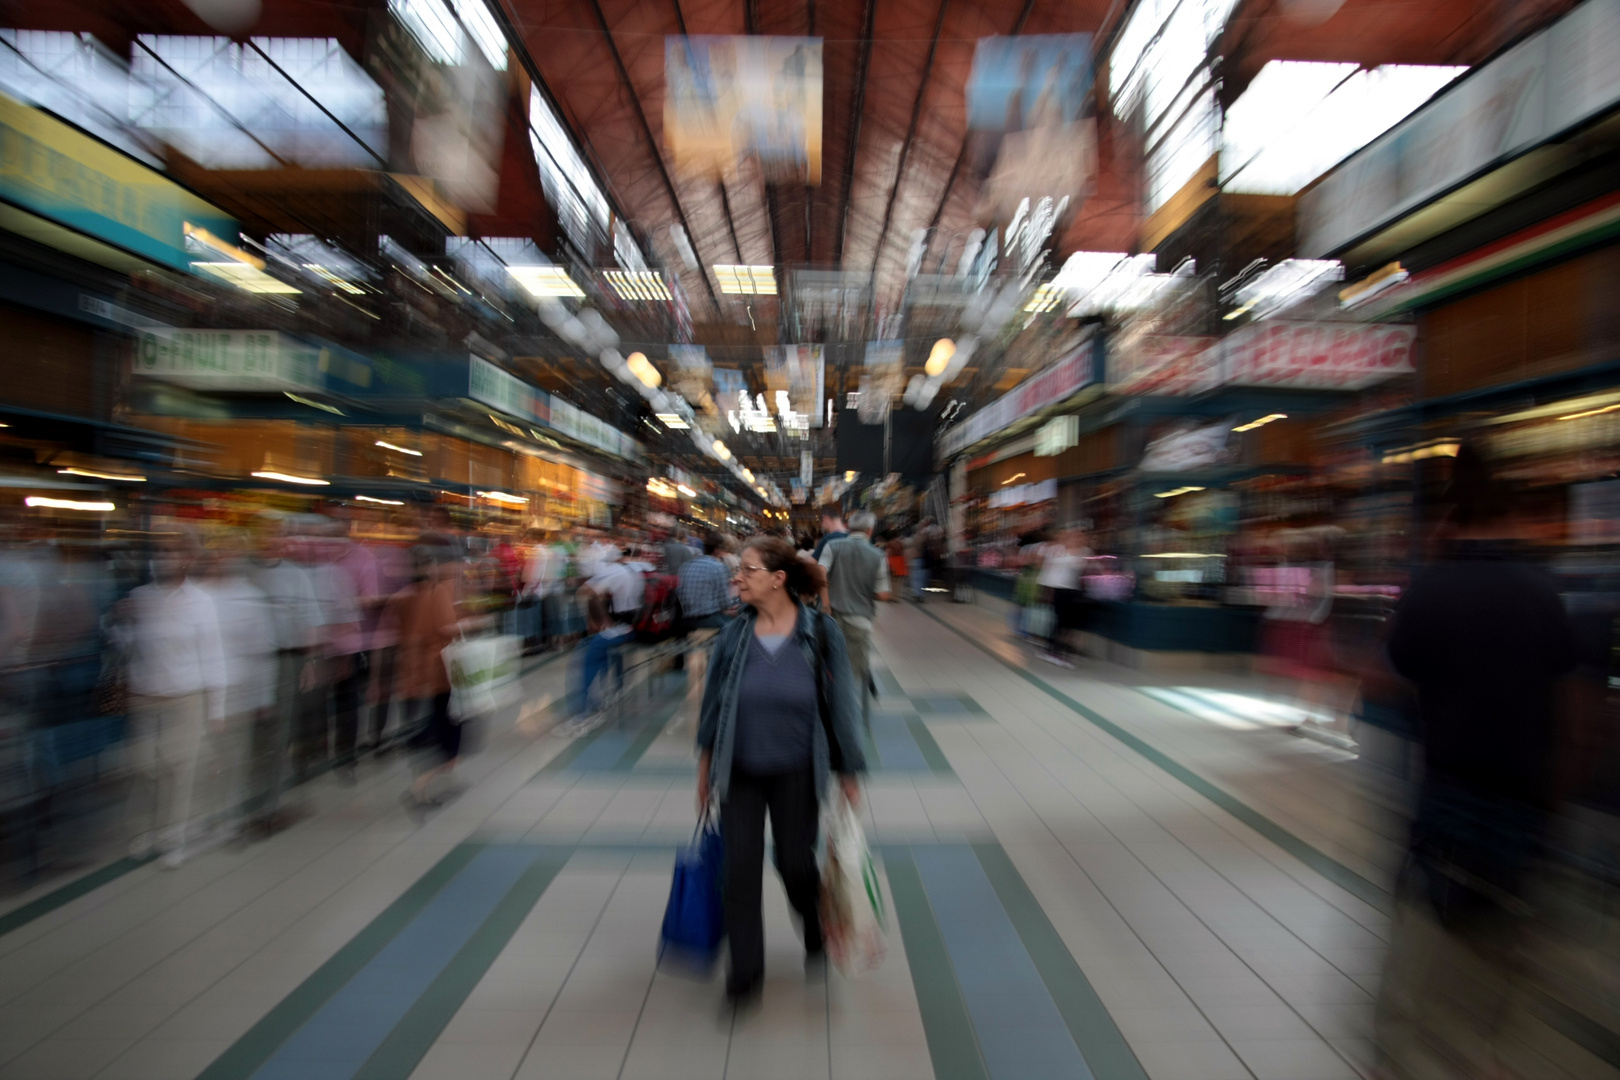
pixel 852 915
pixel 483 674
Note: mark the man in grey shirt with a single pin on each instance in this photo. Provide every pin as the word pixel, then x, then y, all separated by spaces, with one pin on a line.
pixel 857 578
pixel 677 552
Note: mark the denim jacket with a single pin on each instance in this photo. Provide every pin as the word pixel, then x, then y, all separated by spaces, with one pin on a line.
pixel 717 726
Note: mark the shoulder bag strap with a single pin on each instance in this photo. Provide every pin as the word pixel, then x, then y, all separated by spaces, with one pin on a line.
pixel 823 673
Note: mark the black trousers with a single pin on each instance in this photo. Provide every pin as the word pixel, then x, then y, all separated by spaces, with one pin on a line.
pixel 348 694
pixel 791 800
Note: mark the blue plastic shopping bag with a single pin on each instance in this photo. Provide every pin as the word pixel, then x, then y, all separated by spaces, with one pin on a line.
pixel 694 920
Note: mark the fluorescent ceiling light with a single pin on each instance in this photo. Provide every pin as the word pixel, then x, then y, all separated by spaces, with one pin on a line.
pixel 245 277
pixel 1385 277
pixel 1045 299
pixel 746 280
pixel 230 251
pixel 545 280
pixel 125 477
pixel 673 421
pixel 332 279
pixel 399 449
pixel 312 481
pixel 684 490
pixel 68 504
pixel 1298 119
pixel 438 28
pixel 1100 282
pixel 1172 494
pixel 334 410
pixel 1289 282
pixel 1184 554
pixel 1262 422
pixel 379 502
pixel 1440 448
pixel 503 497
pixel 638 284
pixel 1575 415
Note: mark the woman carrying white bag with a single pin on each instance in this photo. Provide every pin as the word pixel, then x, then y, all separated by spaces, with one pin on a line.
pixel 780 715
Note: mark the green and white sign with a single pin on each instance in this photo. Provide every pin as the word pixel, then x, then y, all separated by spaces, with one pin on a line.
pixel 500 389
pixel 239 360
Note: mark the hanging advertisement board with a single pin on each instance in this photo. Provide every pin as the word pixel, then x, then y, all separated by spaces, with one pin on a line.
pixel 801 371
pixel 729 99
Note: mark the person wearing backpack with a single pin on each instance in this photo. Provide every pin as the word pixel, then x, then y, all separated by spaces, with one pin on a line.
pixel 780 715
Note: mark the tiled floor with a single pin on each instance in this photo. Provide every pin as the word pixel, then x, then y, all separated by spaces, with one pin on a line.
pixel 1082 880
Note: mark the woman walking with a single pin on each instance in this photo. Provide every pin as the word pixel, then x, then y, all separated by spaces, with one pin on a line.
pixel 426 614
pixel 779 715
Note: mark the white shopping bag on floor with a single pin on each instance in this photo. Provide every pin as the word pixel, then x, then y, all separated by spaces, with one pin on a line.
pixel 852 915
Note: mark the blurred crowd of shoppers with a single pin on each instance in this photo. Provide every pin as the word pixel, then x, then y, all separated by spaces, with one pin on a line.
pixel 169 690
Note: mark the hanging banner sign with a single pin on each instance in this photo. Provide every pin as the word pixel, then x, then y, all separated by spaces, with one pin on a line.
pixel 729 99
pixel 800 370
pixel 883 381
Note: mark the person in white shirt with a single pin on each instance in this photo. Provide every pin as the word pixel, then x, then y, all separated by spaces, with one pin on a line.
pixel 295 617
pixel 177 689
pixel 1062 564
pixel 542 579
pixel 591 555
pixel 247 641
pixel 612 596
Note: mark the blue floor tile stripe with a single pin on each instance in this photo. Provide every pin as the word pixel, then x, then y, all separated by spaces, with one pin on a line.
pixel 603 753
pixel 353 1023
pixel 896 748
pixel 1021 1032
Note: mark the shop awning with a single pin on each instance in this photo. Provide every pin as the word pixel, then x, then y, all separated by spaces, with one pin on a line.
pixel 97 437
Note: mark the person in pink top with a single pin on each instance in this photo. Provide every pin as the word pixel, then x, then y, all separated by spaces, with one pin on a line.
pixel 354 573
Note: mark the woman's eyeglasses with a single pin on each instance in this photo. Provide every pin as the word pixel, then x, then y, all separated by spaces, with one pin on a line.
pixel 746 569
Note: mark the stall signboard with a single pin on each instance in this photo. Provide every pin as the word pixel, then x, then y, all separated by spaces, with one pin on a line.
pixel 500 389
pixel 582 427
pixel 1169 364
pixel 1057 435
pixel 1543 86
pixel 1024 494
pixel 64 175
pixel 228 360
pixel 1272 352
pixel 1316 356
pixel 1072 373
